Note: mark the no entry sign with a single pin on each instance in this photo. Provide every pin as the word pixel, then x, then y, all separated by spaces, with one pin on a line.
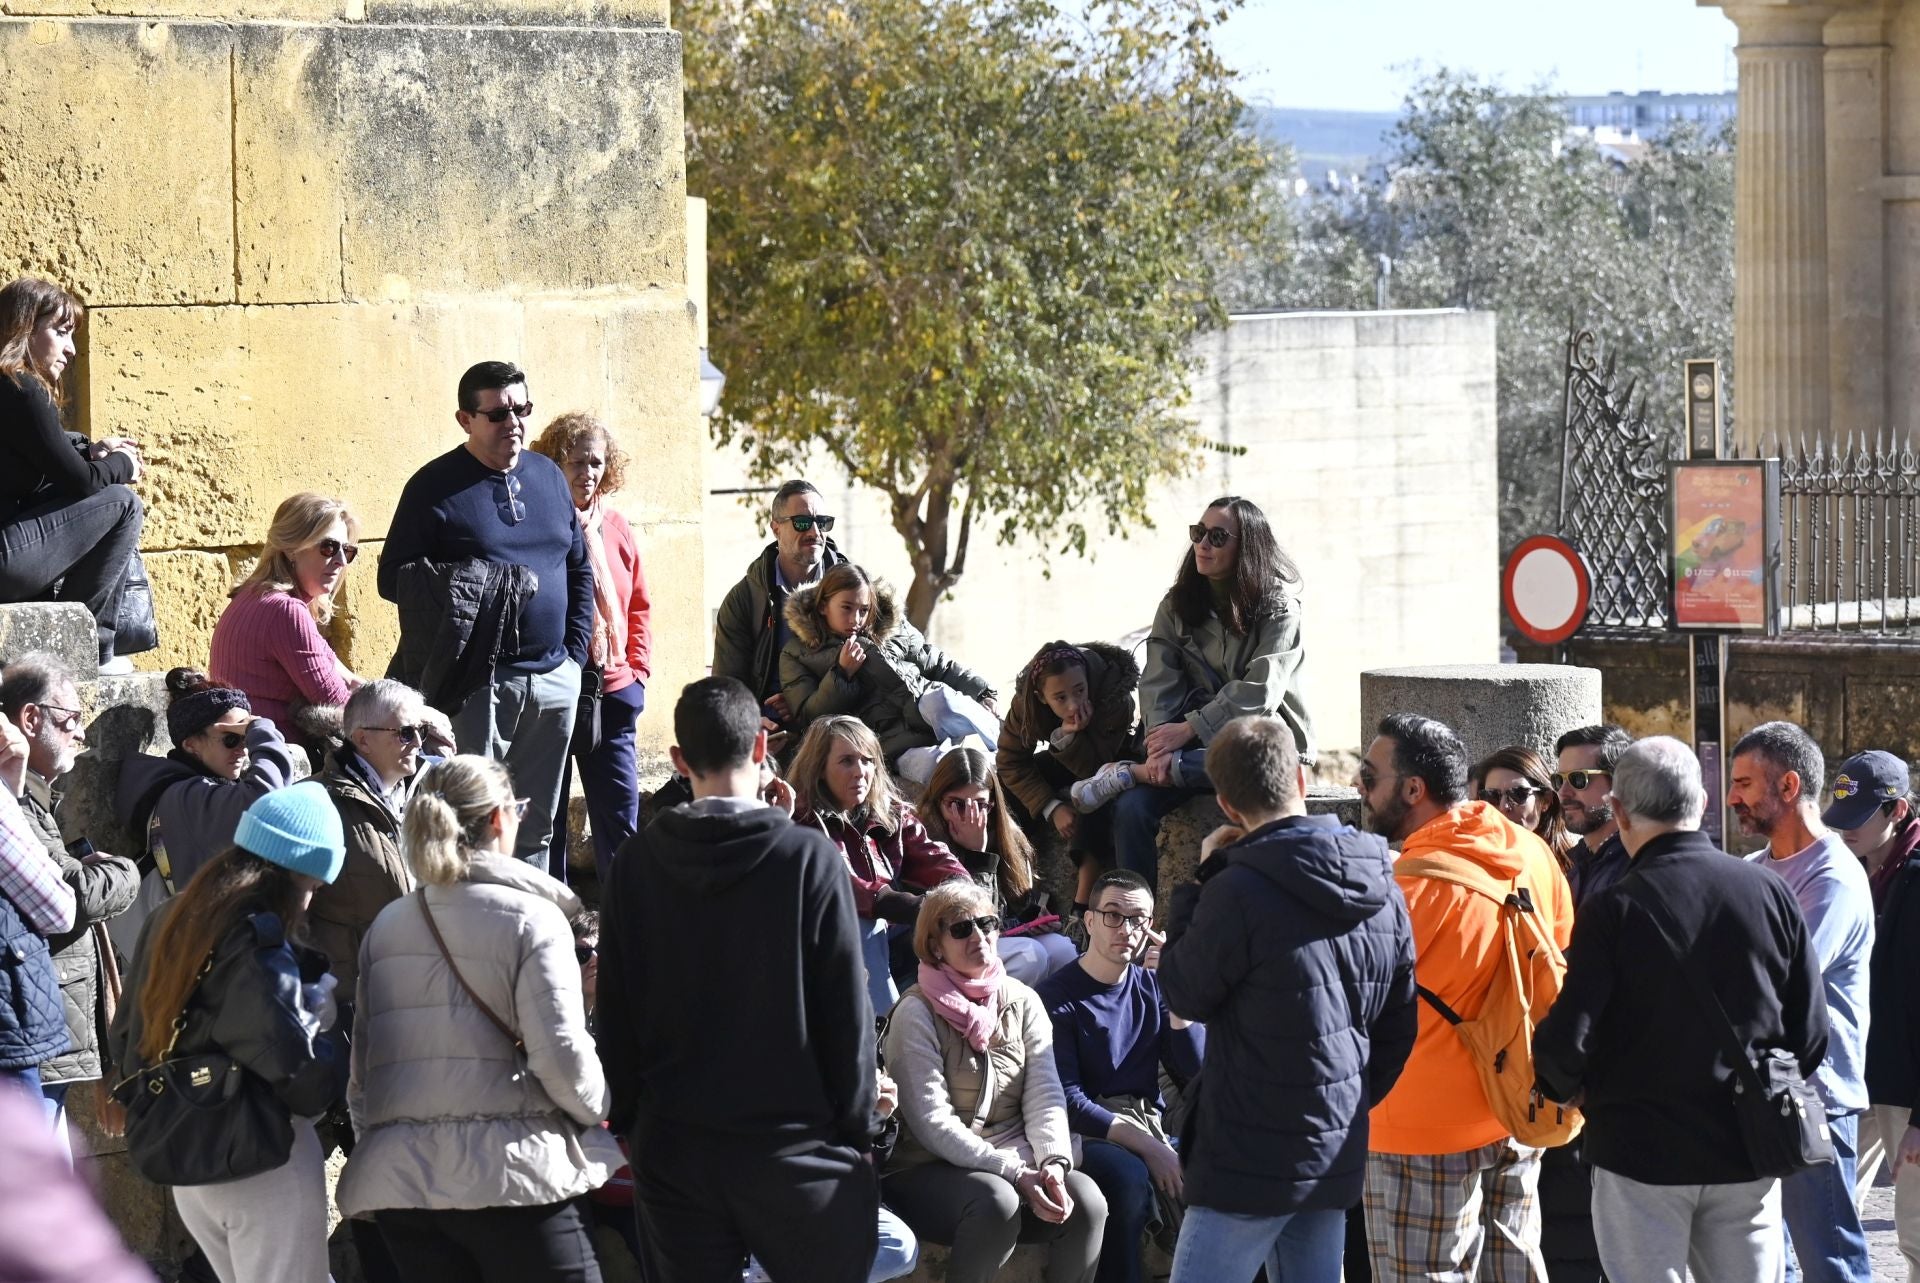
pixel 1546 589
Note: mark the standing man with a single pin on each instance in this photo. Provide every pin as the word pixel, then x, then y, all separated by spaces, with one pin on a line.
pixel 493 503
pixel 1584 778
pixel 1296 952
pixel 1450 1192
pixel 734 1022
pixel 1627 1038
pixel 1777 780
pixel 1112 1033
pixel 751 628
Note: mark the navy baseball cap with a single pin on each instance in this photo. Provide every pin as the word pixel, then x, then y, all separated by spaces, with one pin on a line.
pixel 1865 781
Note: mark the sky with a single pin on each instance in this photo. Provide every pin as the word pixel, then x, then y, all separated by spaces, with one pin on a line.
pixel 1361 55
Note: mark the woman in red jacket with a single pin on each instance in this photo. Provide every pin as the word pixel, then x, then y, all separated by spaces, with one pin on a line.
pixel 842 788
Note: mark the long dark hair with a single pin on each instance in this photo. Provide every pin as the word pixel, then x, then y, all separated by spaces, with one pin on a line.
pixel 968 766
pixel 26 305
pixel 232 886
pixel 1523 761
pixel 1262 572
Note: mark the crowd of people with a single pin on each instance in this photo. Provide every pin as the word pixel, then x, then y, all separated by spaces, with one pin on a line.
pixel 829 1007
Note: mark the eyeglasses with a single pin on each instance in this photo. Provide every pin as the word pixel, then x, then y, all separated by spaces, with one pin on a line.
pixel 583 953
pixel 1516 796
pixel 970 805
pixel 804 523
pixel 523 412
pixel 965 927
pixel 233 739
pixel 1116 919
pixel 1579 779
pixel 1368 779
pixel 405 734
pixel 336 550
pixel 65 719
pixel 511 507
pixel 1213 536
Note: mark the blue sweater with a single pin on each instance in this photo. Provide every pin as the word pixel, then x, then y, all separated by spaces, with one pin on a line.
pixel 1110 1040
pixel 455 507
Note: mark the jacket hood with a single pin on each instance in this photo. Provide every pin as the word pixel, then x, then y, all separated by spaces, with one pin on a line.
pixel 506 871
pixel 1473 831
pixel 1331 868
pixel 1106 663
pixel 143 777
pixel 811 630
pixel 707 852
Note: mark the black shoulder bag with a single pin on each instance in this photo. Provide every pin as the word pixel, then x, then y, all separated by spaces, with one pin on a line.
pixel 1783 1121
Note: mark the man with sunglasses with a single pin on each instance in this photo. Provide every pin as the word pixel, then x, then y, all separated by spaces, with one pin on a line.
pixel 485 558
pixel 751 628
pixel 1584 780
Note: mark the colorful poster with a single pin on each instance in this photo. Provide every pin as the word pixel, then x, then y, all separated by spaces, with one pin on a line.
pixel 1720 541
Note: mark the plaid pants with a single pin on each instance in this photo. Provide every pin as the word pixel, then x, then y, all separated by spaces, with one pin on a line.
pixel 1456 1218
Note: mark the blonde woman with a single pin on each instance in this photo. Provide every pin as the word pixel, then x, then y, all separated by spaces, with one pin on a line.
pixel 268 640
pixel 476 1093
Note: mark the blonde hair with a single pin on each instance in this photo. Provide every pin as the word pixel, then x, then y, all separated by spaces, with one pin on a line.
pixel 940 908
pixel 300 522
pixel 573 429
pixel 808 774
pixel 448 813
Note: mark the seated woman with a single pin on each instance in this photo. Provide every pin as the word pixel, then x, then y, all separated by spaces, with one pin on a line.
pixel 476 1093
pixel 854 652
pixel 1067 745
pixel 66 514
pixel 965 809
pixel 1226 643
pixel 268 640
pixel 841 787
pixel 1516 780
pixel 184 807
pixel 985 1160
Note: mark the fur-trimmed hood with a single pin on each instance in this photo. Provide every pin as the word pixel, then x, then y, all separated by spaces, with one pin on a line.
pixel 811 630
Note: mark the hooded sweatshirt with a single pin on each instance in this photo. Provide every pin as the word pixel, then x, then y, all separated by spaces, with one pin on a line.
pixel 1438 1106
pixel 1298 956
pixel 732 994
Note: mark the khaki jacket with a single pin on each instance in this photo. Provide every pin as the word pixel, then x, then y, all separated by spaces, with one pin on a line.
pixel 1209 676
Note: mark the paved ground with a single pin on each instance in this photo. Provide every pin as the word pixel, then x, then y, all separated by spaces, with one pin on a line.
pixel 1877 1214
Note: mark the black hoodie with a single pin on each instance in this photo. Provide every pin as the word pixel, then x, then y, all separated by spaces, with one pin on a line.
pixel 732 993
pixel 1298 955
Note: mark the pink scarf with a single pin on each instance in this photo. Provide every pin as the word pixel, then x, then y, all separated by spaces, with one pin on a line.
pixel 971 1006
pixel 609 642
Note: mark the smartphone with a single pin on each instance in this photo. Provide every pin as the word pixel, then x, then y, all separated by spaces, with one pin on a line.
pixel 80 848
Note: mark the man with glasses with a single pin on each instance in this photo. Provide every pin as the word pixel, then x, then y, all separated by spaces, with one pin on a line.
pixel 38 695
pixel 1584 778
pixel 485 558
pixel 751 628
pixel 1294 948
pixel 1112 1033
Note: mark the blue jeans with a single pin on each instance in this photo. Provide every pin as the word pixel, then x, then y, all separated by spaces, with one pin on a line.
pixel 899 1252
pixel 1823 1229
pixel 524 722
pixel 1123 1177
pixel 610 780
pixel 1222 1247
pixel 1136 826
pixel 877 952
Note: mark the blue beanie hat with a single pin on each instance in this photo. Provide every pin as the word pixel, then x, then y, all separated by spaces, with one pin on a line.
pixel 296 828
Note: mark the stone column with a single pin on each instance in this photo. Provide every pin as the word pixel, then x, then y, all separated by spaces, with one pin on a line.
pixel 1489 706
pixel 1780 318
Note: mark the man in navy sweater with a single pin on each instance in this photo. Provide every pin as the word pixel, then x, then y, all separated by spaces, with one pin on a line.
pixel 492 500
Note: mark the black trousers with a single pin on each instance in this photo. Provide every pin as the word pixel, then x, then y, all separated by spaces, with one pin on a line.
pixel 547 1244
pixel 808 1211
pixel 84 544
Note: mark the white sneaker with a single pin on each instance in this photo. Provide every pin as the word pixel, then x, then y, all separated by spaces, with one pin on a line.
pixel 1100 788
pixel 118 666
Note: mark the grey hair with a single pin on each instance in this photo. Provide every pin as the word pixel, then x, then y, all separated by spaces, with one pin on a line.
pixel 30 679
pixel 777 508
pixel 1658 779
pixel 375 703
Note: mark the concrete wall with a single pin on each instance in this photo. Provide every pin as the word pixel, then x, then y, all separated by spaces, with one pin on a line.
pixel 1369 442
pixel 297 221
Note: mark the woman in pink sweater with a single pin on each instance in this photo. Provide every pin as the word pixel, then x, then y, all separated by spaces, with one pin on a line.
pixel 268 641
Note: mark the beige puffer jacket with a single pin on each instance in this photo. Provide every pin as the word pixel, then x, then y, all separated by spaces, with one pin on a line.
pixel 447 1113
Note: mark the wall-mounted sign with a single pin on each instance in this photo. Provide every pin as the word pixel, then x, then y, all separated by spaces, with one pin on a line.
pixel 1546 589
pixel 1724 558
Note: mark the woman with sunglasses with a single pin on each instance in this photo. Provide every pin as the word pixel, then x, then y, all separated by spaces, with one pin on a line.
pixel 268 641
pixel 965 809
pixel 1516 781
pixel 1226 643
pixel 476 1093
pixel 985 1160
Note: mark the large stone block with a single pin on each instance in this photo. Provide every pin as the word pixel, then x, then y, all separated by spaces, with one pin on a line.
pixel 288 198
pixel 1489 706
pixel 189 592
pixel 116 149
pixel 125 716
pixel 595 13
pixel 1182 832
pixel 65 629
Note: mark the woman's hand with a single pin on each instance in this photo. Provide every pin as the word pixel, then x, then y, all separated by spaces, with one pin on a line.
pixel 1077 717
pixel 1171 738
pixel 1156 770
pixel 989 703
pixel 1046 1193
pixel 887 1095
pixel 1909 1150
pixel 1066 820
pixel 852 656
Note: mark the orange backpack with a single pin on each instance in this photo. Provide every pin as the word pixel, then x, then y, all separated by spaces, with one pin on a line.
pixel 1529 972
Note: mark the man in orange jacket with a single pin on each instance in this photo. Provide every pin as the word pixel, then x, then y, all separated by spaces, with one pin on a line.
pixel 1450 1193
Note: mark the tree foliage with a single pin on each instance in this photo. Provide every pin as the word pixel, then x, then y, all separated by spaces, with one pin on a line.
pixel 962 246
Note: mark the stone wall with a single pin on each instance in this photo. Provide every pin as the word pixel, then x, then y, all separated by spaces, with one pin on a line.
pixel 296 222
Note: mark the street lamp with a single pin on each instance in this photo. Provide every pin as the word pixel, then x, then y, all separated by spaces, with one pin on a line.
pixel 712 383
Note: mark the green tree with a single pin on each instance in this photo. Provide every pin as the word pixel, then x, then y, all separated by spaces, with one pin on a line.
pixel 962 246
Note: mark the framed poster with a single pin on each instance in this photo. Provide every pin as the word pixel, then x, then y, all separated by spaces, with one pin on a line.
pixel 1724 556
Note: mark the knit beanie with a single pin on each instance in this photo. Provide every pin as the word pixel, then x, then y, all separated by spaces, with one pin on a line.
pixel 188 715
pixel 296 828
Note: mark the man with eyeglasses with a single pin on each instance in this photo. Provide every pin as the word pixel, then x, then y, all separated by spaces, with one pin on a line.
pixel 487 563
pixel 1584 779
pixel 39 696
pixel 751 628
pixel 1112 1033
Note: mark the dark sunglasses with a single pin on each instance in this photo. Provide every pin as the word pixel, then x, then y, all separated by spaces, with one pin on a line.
pixel 514 510
pixel 1368 779
pixel 405 734
pixel 233 739
pixel 804 524
pixel 523 412
pixel 1515 796
pixel 1579 779
pixel 583 953
pixel 1213 536
pixel 965 927
pixel 332 548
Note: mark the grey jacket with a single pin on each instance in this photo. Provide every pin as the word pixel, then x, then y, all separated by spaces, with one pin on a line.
pixel 745 641
pixel 1208 676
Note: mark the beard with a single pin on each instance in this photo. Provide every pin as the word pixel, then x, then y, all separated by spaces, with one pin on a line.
pixel 1759 822
pixel 1387 820
pixel 1589 819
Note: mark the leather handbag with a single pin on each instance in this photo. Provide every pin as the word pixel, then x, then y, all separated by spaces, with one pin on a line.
pixel 1783 1121
pixel 135 630
pixel 586 717
pixel 204 1118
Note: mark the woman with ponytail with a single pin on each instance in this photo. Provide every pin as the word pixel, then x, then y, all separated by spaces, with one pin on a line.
pixel 476 1093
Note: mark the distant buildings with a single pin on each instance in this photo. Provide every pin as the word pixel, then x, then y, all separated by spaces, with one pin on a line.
pixel 1650 114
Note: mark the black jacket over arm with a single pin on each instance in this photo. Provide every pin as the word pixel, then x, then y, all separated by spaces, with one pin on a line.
pixel 1628 1031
